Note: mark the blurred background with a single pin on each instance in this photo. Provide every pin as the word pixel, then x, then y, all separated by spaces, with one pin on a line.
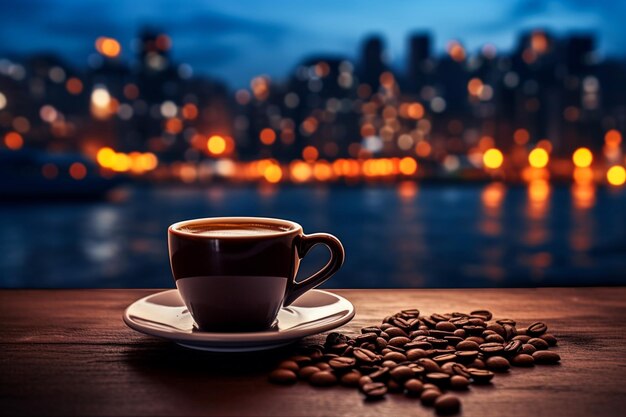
pixel 447 144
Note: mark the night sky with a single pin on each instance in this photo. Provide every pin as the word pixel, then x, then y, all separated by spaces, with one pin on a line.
pixel 235 40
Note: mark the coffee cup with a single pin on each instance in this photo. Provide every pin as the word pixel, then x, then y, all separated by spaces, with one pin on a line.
pixel 236 273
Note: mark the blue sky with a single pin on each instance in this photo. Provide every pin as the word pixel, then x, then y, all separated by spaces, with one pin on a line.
pixel 237 39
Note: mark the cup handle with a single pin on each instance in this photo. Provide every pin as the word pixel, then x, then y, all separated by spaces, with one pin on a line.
pixel 337 255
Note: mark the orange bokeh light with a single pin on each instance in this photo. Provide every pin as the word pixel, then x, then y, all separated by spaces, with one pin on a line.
pixel 190 111
pixel 108 47
pixel 616 175
pixel 538 158
pixel 216 145
pixel 310 153
pixel 273 173
pixel 613 138
pixel 267 136
pixel 78 171
pixel 422 149
pixel 13 141
pixel 521 136
pixel 74 85
pixel 415 111
pixel 493 158
pixel 407 166
pixel 582 157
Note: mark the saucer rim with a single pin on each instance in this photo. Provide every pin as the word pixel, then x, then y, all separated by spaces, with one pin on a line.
pixel 245 338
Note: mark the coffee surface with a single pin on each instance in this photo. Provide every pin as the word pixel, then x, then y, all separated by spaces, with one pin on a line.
pixel 233 229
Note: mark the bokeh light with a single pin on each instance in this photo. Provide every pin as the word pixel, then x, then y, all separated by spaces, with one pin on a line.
pixel 616 175
pixel 493 158
pixel 538 158
pixel 582 157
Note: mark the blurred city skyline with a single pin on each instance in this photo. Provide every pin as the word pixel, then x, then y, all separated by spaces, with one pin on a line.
pixel 234 42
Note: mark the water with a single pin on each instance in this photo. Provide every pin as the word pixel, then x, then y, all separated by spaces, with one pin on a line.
pixel 395 236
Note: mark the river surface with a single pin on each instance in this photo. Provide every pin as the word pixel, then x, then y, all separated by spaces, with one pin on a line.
pixel 395 236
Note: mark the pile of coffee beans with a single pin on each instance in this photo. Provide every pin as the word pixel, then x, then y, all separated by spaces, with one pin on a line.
pixel 423 357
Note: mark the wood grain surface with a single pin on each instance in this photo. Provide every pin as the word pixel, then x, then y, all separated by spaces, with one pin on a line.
pixel 67 352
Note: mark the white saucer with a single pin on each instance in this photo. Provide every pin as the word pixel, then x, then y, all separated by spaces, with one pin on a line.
pixel 165 315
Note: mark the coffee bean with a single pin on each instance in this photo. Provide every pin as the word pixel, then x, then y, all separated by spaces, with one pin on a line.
pixel 323 379
pixel 491 349
pixel 413 312
pixel 413 387
pixel 459 383
pixel 447 404
pixel 418 345
pixel 381 343
pixel 498 364
pixel 441 359
pixel 453 340
pixel 478 364
pixel 368 369
pixel 385 335
pixel 485 314
pixel 539 344
pixel 550 339
pixel 460 333
pixel 400 322
pixel 440 334
pixel 506 321
pixel 371 329
pixel 365 338
pixel 283 376
pixel 307 371
pixel 445 326
pixel 395 356
pixel 466 356
pixel 459 369
pixel 394 349
pixel 441 379
pixel 473 330
pixel 467 345
pixel 481 376
pixel 494 338
pixel 496 328
pixel 546 357
pixel 380 374
pixel 438 317
pixel 437 343
pixel 447 368
pixel 475 321
pixel 509 331
pixel 301 360
pixel 351 379
pixel 323 366
pixel 536 329
pixel 522 338
pixel 528 349
pixel 475 339
pixel 328 356
pixel 399 341
pixel 342 363
pixel 420 332
pixel 396 332
pixel 364 355
pixel 429 322
pixel 394 386
pixel 417 369
pixel 415 354
pixel 291 365
pixel 522 360
pixel 365 380
pixel 374 390
pixel 512 348
pixel 401 373
pixel 429 365
pixel 429 396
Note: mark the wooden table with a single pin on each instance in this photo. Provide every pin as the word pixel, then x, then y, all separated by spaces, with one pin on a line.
pixel 67 352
